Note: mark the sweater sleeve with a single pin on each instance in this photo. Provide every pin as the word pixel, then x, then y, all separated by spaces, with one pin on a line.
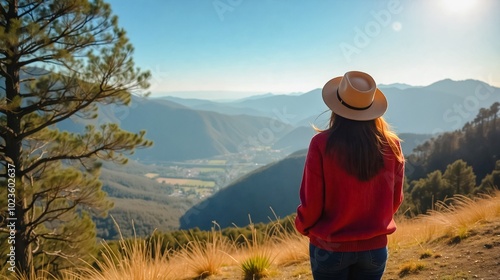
pixel 311 191
pixel 398 185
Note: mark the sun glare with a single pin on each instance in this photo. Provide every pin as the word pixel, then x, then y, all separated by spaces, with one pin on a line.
pixel 458 6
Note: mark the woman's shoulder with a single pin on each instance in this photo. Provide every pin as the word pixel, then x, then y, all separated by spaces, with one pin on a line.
pixel 320 137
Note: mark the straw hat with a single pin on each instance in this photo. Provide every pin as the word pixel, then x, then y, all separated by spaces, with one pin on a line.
pixel 355 96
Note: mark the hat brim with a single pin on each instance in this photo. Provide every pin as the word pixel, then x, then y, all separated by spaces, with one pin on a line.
pixel 377 109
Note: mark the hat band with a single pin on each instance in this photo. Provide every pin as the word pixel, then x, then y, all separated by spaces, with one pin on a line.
pixel 349 106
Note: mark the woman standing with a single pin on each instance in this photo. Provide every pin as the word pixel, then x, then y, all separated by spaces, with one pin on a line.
pixel 352 183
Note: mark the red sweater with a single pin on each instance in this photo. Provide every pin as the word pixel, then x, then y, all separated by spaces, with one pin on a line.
pixel 340 213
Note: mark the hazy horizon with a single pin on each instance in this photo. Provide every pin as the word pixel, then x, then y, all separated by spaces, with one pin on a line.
pixel 224 95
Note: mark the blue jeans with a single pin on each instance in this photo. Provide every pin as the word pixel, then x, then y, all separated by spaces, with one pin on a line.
pixel 328 265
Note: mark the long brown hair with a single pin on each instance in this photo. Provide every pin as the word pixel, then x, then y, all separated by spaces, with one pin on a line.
pixel 360 145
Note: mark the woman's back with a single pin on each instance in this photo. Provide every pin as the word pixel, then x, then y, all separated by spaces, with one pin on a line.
pixel 352 183
pixel 351 209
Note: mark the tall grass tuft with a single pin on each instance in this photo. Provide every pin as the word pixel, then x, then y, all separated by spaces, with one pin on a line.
pixel 259 255
pixel 138 259
pixel 205 258
pixel 256 266
pixel 459 214
pixel 290 246
pixel 454 218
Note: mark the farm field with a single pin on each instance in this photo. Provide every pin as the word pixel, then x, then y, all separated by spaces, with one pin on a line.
pixel 186 182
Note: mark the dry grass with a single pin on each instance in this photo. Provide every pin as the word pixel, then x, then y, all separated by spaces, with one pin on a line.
pixel 141 259
pixel 206 258
pixel 411 267
pixel 453 219
pixel 427 253
pixel 259 256
pixel 291 248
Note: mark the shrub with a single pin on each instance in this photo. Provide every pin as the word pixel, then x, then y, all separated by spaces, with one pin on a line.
pixel 256 266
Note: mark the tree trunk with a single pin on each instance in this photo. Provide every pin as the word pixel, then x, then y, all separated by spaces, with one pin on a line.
pixel 13 144
pixel 13 153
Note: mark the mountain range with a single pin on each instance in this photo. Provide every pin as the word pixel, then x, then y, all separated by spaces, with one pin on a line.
pixel 442 106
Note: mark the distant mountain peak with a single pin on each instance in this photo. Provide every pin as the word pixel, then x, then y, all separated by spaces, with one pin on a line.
pixel 447 84
pixel 401 86
pixel 450 81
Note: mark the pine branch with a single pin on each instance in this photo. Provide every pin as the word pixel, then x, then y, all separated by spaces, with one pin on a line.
pixel 46 216
pixel 90 153
pixel 46 21
pixel 52 121
pixel 28 11
pixel 75 30
pixel 64 96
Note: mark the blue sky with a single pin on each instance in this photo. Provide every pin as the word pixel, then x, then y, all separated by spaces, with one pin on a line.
pixel 218 49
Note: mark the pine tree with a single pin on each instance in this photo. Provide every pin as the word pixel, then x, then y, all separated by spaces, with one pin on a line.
pixel 460 177
pixel 59 59
pixel 426 191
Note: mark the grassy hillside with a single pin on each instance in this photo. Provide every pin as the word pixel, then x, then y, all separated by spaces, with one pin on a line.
pixel 457 242
pixel 138 201
pixel 141 217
